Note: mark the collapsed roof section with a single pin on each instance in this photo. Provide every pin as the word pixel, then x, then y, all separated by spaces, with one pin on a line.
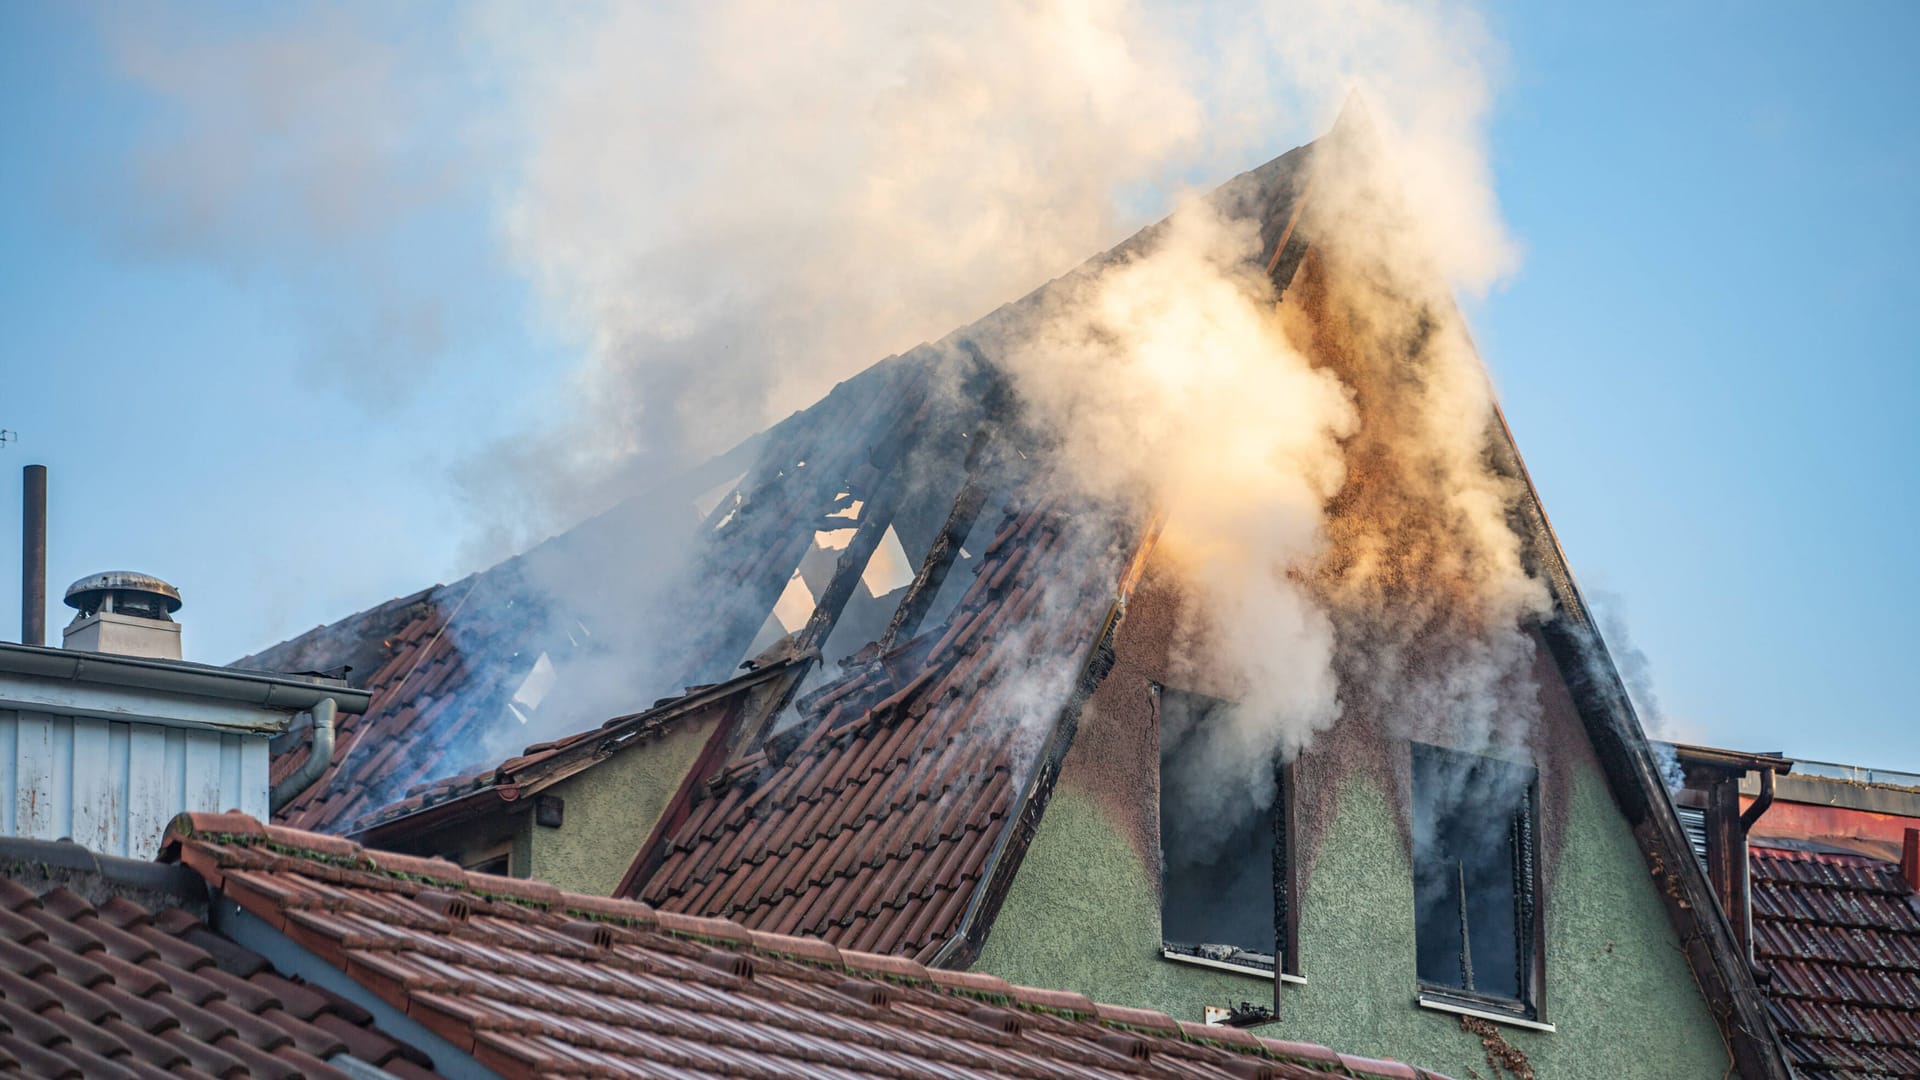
pixel 879 820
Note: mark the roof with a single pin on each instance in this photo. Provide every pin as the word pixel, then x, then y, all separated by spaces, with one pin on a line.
pixel 809 837
pixel 1841 933
pixel 121 989
pixel 532 981
pixel 543 764
pixel 422 712
pixel 442 663
pixel 876 831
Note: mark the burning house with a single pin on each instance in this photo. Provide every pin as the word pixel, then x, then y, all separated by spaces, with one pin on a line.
pixel 1187 634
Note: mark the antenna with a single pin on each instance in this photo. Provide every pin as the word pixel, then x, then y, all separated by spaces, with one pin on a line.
pixel 7 437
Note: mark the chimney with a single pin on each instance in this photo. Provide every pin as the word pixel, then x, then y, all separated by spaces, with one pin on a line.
pixel 1910 860
pixel 124 613
pixel 33 555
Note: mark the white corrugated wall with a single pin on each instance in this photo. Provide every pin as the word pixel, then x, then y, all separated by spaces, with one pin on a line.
pixel 113 786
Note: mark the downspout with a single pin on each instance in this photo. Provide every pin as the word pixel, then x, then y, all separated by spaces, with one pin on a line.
pixel 1748 818
pixel 1751 814
pixel 318 758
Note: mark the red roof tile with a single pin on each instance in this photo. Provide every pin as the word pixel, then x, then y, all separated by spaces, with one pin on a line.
pixel 535 982
pixel 548 762
pixel 119 990
pixel 1842 935
pixel 441 665
pixel 876 830
pixel 428 708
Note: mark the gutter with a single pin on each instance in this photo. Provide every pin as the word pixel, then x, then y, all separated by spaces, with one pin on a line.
pixel 290 693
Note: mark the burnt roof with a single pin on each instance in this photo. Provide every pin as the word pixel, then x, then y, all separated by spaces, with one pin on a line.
pixel 879 829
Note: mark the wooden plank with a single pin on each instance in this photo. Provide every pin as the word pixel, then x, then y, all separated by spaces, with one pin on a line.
pixel 148 782
pixel 95 803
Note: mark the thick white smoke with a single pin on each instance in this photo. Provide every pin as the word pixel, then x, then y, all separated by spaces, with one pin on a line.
pixel 734 206
pixel 730 206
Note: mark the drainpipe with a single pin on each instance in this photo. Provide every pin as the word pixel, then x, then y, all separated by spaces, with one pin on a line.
pixel 318 758
pixel 1744 909
pixel 1752 813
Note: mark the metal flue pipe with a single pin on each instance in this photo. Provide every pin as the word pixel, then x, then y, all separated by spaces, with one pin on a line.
pixel 33 555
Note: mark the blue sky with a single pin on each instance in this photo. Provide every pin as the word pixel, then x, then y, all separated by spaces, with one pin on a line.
pixel 1706 354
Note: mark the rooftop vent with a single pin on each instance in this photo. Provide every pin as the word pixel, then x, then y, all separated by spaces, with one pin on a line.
pixel 123 612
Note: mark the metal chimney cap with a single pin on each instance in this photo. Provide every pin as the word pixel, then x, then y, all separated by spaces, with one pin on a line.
pixel 85 594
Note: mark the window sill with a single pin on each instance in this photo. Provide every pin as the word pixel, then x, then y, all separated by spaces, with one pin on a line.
pixel 1238 969
pixel 1442 1005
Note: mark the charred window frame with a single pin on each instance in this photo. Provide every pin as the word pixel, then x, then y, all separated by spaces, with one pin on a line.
pixel 1478 929
pixel 1225 900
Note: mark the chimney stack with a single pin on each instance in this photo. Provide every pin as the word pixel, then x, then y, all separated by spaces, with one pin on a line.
pixel 123 612
pixel 1910 860
pixel 33 555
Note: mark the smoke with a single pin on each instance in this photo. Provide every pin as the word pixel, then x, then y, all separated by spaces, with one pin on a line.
pixel 307 156
pixel 1169 384
pixel 731 206
pixel 1635 671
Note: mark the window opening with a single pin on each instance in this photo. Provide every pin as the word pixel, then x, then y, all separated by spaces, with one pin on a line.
pixel 1474 875
pixel 1223 852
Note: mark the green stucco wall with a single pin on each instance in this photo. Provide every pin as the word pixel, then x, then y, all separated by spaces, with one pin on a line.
pixel 1083 914
pixel 610 810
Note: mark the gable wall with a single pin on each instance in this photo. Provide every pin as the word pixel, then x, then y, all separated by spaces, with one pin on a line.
pixel 611 809
pixel 1083 912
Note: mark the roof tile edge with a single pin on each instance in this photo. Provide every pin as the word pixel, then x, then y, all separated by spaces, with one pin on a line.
pixel 195 839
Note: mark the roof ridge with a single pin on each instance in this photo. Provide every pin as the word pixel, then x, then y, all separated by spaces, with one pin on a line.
pixel 200 840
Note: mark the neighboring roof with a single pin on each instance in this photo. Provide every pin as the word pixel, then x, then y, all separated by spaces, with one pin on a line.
pixel 121 989
pixel 261 691
pixel 534 982
pixel 1841 934
pixel 878 829
pixel 542 765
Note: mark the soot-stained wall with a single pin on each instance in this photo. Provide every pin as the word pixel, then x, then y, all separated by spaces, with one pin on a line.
pixel 1083 912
